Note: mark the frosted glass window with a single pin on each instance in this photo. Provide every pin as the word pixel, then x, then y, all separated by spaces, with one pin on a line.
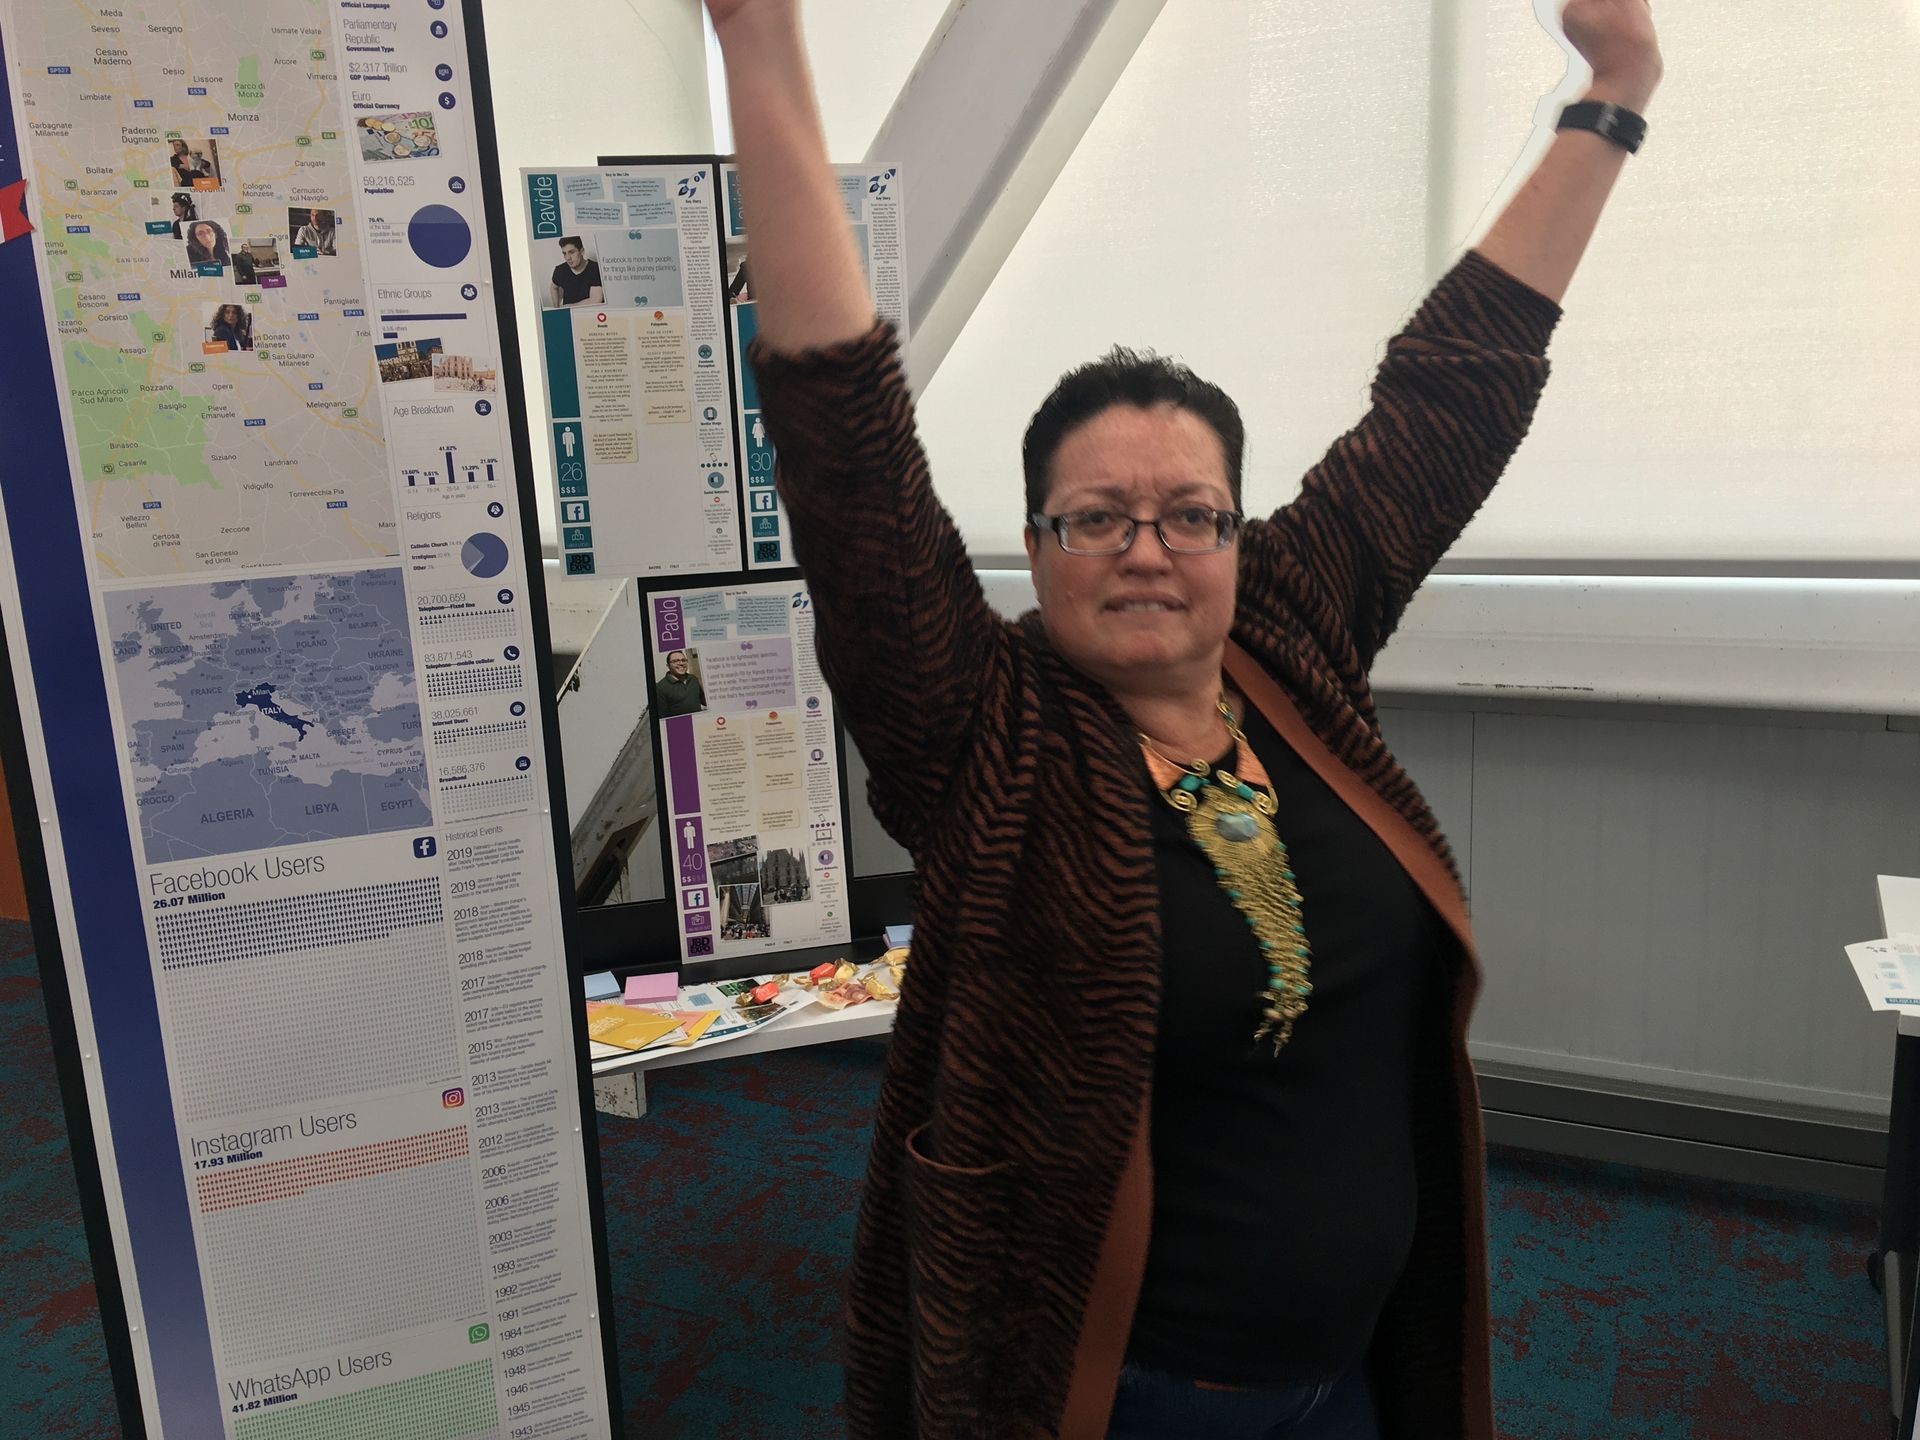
pixel 862 52
pixel 1737 373
pixel 1249 199
pixel 1735 378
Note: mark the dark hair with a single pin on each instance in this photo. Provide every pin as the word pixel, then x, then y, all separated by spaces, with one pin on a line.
pixel 574 241
pixel 1126 377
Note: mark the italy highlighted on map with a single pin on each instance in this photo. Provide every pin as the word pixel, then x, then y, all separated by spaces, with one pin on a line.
pixel 269 712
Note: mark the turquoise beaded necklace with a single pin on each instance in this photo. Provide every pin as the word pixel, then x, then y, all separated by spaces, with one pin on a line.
pixel 1232 823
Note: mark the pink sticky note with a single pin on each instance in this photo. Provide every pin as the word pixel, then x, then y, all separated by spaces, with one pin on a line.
pixel 652 989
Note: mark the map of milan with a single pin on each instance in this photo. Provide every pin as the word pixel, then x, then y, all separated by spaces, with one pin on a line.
pixel 207 286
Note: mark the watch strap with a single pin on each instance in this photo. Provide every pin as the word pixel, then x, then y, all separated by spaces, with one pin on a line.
pixel 1610 122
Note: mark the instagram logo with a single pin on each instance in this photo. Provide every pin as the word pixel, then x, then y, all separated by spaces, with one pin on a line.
pixel 453 1099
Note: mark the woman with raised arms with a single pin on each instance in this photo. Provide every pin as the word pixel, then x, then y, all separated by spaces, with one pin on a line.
pixel 1218 1170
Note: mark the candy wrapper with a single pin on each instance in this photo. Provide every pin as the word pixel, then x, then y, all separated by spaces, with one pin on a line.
pixel 843 993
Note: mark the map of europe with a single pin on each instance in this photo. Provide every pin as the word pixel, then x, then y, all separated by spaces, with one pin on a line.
pixel 269 712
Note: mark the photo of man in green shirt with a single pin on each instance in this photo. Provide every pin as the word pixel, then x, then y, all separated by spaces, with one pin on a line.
pixel 678 692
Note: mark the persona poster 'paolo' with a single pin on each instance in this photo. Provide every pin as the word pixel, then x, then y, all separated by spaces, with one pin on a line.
pixel 747 745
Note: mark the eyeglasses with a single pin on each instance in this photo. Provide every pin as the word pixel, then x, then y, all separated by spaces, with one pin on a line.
pixel 1189 530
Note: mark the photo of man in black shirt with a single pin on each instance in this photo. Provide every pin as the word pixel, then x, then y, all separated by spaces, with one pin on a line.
pixel 576 280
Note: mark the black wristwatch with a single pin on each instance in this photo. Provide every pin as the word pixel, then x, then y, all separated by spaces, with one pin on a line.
pixel 1610 122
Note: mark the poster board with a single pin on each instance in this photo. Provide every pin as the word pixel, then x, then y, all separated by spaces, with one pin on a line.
pixel 634 366
pixel 662 465
pixel 874 200
pixel 278 726
pixel 752 809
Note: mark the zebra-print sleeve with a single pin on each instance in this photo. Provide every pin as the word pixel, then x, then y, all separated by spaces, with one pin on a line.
pixel 1451 402
pixel 905 635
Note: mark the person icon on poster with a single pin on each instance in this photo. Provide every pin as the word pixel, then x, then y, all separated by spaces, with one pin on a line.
pixel 576 279
pixel 184 214
pixel 678 691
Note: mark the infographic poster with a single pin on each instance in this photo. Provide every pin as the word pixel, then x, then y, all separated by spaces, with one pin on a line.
pixel 628 287
pixel 270 608
pixel 875 208
pixel 748 749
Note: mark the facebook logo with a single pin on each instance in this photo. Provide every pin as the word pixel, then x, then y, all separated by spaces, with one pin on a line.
pixel 423 848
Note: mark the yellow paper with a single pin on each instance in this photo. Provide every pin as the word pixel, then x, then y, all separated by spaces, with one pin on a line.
pixel 694 1023
pixel 627 1029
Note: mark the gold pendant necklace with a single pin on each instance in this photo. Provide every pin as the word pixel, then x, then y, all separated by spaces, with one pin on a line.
pixel 1232 823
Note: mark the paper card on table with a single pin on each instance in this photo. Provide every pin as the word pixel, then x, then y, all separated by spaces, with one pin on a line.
pixel 899 936
pixel 601 985
pixel 652 989
pixel 1889 972
pixel 693 1024
pixel 627 1029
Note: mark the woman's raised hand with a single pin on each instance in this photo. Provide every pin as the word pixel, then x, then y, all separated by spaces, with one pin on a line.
pixel 1616 38
pixel 807 279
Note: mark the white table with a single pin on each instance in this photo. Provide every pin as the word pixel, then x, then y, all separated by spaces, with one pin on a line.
pixel 619 1081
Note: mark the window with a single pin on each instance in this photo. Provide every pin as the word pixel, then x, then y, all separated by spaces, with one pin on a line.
pixel 1269 190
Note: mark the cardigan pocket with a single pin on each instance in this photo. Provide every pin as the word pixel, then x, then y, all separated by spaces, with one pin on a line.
pixel 958 1244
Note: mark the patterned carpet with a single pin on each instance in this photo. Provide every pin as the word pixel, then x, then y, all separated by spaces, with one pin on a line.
pixel 1627 1306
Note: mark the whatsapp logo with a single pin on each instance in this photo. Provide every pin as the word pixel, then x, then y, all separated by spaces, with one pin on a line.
pixel 477 1333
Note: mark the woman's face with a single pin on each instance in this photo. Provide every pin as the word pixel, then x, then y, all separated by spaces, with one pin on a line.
pixel 1145 618
pixel 204 233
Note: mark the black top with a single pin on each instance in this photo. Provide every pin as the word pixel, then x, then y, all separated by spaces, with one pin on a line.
pixel 575 288
pixel 1284 1192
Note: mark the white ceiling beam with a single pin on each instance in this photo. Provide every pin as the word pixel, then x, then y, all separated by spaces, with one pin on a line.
pixel 984 125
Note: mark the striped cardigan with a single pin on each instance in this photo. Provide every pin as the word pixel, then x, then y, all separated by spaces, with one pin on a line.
pixel 1002 1228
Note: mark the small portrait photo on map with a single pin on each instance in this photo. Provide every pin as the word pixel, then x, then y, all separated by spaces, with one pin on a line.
pixel 257 262
pixel 195 163
pixel 207 243
pixel 734 862
pixel 743 913
pixel 404 135
pixel 226 326
pixel 312 232
pixel 576 279
pixel 677 688
pixel 185 210
pixel 406 360
pixel 464 373
pixel 784 878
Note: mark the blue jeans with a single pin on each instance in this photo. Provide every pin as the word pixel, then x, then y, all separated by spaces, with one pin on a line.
pixel 1152 1405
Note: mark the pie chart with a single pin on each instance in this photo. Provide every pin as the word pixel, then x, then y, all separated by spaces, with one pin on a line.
pixel 439 235
pixel 484 554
